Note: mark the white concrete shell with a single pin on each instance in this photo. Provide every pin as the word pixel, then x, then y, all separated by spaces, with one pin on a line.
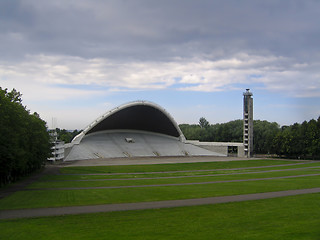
pixel 135 129
pixel 108 114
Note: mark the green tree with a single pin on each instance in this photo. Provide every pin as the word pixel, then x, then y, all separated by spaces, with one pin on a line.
pixel 312 136
pixel 263 135
pixel 24 145
pixel 203 123
pixel 191 132
pixel 226 132
pixel 39 142
pixel 65 135
pixel 298 140
pixel 282 143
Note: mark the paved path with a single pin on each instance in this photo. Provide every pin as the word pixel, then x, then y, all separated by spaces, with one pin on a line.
pixel 42 212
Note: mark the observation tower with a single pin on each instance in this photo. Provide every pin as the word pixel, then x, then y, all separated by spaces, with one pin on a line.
pixel 248 123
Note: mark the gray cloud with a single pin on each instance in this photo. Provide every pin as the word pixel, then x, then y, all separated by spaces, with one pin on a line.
pixel 277 40
pixel 159 29
pixel 81 52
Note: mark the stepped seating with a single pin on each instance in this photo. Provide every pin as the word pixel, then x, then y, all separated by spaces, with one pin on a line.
pixel 115 144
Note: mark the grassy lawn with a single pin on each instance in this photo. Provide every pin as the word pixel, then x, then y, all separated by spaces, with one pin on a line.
pixel 85 176
pixel 55 198
pixel 286 218
pixel 190 179
pixel 173 167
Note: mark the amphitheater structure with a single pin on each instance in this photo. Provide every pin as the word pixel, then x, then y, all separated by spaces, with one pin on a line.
pixel 135 129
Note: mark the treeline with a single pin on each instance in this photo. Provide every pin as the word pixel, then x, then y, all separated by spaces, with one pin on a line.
pixel 205 132
pixel 24 139
pixel 297 140
pixel 65 135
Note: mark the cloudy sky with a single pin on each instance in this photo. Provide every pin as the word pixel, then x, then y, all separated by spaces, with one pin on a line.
pixel 73 60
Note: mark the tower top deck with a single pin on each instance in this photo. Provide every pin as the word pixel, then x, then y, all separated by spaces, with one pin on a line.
pixel 247 92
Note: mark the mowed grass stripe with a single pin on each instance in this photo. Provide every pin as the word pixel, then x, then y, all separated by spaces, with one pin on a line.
pixel 286 218
pixel 187 179
pixel 171 174
pixel 309 163
pixel 171 184
pixel 173 167
pixel 58 198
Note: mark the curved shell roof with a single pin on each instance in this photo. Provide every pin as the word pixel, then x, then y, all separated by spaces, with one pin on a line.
pixel 138 115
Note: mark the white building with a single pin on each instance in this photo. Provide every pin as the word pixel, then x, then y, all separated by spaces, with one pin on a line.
pixel 57 148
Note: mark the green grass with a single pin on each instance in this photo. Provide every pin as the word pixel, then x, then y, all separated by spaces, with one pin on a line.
pixel 295 217
pixel 193 179
pixel 169 174
pixel 172 167
pixel 287 218
pixel 56 198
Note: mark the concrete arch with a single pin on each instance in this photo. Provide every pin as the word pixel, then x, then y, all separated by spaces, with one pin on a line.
pixel 135 129
pixel 137 115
